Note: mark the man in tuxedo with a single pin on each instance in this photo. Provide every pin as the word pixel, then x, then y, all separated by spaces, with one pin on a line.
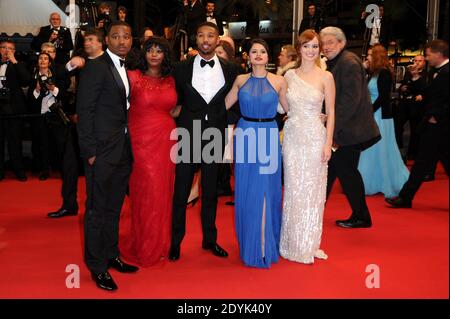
pixel 13 76
pixel 211 16
pixel 102 108
pixel 56 34
pixel 202 83
pixel 410 106
pixel 355 126
pixel 433 145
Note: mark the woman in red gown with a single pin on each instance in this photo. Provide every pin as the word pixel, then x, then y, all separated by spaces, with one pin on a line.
pixel 153 100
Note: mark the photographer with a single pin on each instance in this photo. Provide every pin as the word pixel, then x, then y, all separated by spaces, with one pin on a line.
pixel 13 76
pixel 410 106
pixel 104 18
pixel 56 34
pixel 43 92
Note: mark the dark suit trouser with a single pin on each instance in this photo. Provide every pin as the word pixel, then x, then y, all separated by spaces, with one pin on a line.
pixel 413 112
pixel 224 177
pixel 49 132
pixel 184 175
pixel 11 132
pixel 106 185
pixel 69 170
pixel 433 147
pixel 344 165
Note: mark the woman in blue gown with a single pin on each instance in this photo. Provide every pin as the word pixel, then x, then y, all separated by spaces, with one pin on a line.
pixel 257 154
pixel 381 166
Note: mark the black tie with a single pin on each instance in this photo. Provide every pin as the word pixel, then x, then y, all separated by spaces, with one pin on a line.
pixel 122 62
pixel 204 62
pixel 5 62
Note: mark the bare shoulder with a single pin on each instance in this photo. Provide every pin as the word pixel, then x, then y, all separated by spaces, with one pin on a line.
pixel 241 79
pixel 278 81
pixel 327 76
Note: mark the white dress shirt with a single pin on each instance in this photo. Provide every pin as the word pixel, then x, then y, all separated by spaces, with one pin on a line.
pixel 123 73
pixel 207 81
pixel 3 68
pixel 47 100
pixel 211 19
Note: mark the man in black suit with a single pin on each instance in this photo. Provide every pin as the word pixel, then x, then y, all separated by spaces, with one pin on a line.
pixel 202 83
pixel 433 145
pixel 355 126
pixel 13 76
pixel 102 108
pixel 211 16
pixel 312 20
pixel 56 34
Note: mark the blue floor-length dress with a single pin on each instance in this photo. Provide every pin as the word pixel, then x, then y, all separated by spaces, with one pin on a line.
pixel 257 154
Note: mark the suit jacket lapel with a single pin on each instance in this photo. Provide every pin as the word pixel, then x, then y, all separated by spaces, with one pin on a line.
pixel 227 77
pixel 117 79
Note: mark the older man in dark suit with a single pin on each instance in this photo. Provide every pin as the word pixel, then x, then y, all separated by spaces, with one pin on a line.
pixel 355 126
pixel 58 35
pixel 433 145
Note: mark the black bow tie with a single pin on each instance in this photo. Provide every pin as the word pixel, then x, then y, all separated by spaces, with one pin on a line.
pixel 210 15
pixel 3 62
pixel 122 62
pixel 204 62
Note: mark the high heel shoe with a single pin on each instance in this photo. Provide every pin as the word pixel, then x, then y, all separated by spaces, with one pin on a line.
pixel 193 201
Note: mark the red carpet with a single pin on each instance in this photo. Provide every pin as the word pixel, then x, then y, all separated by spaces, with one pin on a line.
pixel 410 247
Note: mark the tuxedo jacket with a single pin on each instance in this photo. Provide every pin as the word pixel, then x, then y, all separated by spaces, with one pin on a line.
pixel 193 106
pixel 102 111
pixel 62 53
pixel 437 96
pixel 17 76
pixel 218 21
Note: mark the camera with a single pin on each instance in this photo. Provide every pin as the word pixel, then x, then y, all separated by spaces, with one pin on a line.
pixel 58 109
pixel 4 91
pixel 43 81
pixel 5 95
pixel 106 19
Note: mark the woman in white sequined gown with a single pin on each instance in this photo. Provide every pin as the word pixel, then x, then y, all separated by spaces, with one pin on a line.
pixel 307 145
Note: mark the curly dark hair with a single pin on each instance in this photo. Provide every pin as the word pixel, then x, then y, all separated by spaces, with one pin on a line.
pixel 163 44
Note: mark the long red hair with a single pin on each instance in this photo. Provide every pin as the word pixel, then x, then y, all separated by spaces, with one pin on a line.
pixel 379 60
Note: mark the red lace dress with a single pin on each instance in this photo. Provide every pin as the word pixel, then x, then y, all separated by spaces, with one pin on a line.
pixel 147 239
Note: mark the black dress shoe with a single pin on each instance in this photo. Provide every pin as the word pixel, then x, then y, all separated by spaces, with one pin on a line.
pixel 354 223
pixel 429 178
pixel 398 202
pixel 61 213
pixel 174 253
pixel 229 203
pixel 104 281
pixel 43 176
pixel 21 176
pixel 121 266
pixel 216 250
